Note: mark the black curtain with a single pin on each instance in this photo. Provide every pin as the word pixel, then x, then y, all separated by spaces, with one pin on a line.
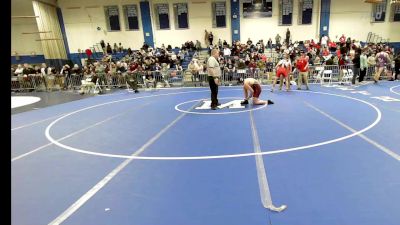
pixel 164 21
pixel 307 16
pixel 396 17
pixel 287 19
pixel 114 23
pixel 221 21
pixel 133 23
pixel 183 20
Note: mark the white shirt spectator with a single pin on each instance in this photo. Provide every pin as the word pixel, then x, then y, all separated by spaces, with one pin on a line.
pixel 173 57
pixel 284 63
pixel 19 70
pixel 227 52
pixel 324 40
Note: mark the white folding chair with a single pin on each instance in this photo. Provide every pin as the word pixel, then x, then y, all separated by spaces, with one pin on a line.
pixel 327 75
pixel 317 75
pixel 351 74
pixel 97 88
pixel 346 78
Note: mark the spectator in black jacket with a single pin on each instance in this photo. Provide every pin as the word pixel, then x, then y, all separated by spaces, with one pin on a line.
pixel 356 62
pixel 397 66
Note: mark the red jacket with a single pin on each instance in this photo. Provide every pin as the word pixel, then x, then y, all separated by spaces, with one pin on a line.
pixel 88 52
pixel 301 64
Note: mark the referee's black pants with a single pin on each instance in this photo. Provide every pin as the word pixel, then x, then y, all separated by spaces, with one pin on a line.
pixel 214 91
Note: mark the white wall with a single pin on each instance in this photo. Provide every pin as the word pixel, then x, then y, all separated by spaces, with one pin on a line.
pixel 267 27
pixel 347 16
pixel 353 18
pixel 81 24
pixel 200 19
pixel 24 44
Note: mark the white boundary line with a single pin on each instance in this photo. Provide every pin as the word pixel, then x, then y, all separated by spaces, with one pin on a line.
pixel 265 192
pixel 72 134
pixel 391 90
pixel 89 194
pixel 30 124
pixel 378 118
pixel 380 147
pixel 27 125
pixel 147 96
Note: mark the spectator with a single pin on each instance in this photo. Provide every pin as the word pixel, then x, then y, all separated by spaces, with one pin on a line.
pixel 287 37
pixel 210 38
pixel 277 39
pixel 397 66
pixel 109 50
pixel 363 66
pixel 76 70
pixel 19 70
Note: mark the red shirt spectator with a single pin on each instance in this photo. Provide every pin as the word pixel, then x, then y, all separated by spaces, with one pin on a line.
pixel 325 52
pixel 133 67
pixel 264 58
pixel 312 43
pixel 302 64
pixel 252 65
pixel 88 53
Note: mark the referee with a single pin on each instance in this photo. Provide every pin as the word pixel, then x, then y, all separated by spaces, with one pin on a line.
pixel 214 74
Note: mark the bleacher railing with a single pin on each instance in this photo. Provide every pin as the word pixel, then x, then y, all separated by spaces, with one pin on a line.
pixel 174 78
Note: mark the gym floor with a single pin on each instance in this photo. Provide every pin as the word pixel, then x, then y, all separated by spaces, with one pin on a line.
pixel 161 157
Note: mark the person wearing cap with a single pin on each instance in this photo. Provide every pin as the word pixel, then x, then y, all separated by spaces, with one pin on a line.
pixel 302 67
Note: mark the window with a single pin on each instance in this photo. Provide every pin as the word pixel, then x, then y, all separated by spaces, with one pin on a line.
pixel 305 11
pixel 379 11
pixel 112 17
pixel 162 16
pixel 257 8
pixel 285 12
pixel 395 12
pixel 131 17
pixel 181 15
pixel 219 14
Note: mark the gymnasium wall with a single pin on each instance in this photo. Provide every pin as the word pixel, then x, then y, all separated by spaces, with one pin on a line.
pixel 353 18
pixel 81 19
pixel 200 19
pixel 24 44
pixel 268 27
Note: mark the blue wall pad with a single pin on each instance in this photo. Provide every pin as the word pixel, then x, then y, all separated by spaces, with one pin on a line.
pixel 146 21
pixel 235 20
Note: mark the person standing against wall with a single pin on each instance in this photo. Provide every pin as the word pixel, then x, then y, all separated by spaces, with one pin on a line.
pixel 210 38
pixel 206 37
pixel 103 46
pixel 287 37
pixel 214 74
pixel 277 40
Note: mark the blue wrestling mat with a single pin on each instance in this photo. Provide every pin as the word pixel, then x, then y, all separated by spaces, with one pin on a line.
pixel 331 155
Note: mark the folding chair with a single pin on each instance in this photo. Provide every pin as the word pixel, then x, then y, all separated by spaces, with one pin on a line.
pixel 317 74
pixel 346 78
pixel 327 75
